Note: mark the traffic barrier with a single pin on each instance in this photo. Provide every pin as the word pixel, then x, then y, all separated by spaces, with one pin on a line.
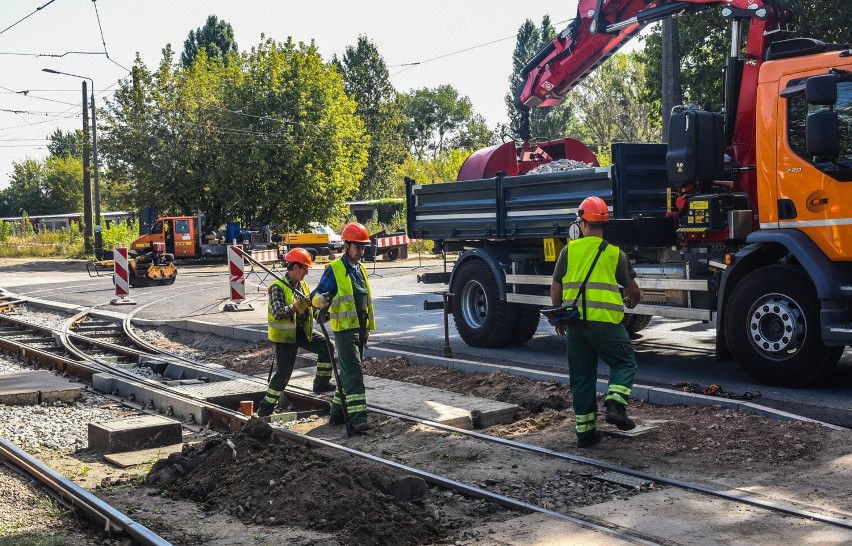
pixel 395 240
pixel 265 256
pixel 237 280
pixel 121 277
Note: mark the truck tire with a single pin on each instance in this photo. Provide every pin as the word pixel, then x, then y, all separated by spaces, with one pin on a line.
pixel 526 322
pixel 635 323
pixel 481 318
pixel 773 328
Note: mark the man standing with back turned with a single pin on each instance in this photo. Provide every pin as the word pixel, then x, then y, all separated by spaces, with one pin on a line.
pixel 598 332
pixel 345 290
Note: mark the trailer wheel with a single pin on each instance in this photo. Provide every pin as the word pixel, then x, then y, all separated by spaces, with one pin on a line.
pixel 481 319
pixel 526 322
pixel 392 254
pixel 773 328
pixel 635 323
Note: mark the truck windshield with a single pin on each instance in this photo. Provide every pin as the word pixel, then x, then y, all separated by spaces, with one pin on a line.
pixel 157 227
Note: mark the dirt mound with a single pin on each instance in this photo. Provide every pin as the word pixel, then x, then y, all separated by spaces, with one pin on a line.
pixel 266 479
pixel 533 397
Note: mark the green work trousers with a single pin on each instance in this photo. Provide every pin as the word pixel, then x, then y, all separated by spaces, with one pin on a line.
pixel 285 361
pixel 350 349
pixel 585 344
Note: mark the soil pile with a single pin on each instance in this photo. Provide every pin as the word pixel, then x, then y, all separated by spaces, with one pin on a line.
pixel 266 479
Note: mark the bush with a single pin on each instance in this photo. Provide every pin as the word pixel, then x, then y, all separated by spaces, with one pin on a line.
pixel 5 230
pixel 118 233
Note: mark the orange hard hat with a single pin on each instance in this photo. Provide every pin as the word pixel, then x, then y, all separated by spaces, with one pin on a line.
pixel 300 256
pixel 355 233
pixel 593 209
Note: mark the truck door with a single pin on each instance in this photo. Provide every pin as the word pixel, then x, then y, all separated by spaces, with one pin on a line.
pixel 169 235
pixel 815 194
pixel 184 243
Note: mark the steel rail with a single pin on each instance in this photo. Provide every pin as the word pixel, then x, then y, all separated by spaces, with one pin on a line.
pixel 603 465
pixel 435 479
pixel 95 508
pixel 698 488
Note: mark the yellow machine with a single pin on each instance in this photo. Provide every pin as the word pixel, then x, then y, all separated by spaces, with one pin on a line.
pixel 155 268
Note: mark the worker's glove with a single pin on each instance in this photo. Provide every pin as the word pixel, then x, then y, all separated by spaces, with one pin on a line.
pixel 300 305
pixel 321 301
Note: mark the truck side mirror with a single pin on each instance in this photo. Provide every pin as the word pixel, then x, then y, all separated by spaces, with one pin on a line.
pixel 821 90
pixel 821 135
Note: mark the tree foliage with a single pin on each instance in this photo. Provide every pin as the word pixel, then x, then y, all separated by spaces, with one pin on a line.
pixel 216 38
pixel 545 123
pixel 66 143
pixel 51 186
pixel 609 104
pixel 705 44
pixel 366 79
pixel 270 138
pixel 434 116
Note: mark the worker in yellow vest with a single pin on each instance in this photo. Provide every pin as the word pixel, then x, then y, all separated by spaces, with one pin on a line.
pixel 290 326
pixel 589 272
pixel 344 288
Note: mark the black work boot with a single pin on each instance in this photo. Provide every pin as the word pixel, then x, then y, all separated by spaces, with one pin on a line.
pixel 616 414
pixel 590 440
pixel 323 387
pixel 264 410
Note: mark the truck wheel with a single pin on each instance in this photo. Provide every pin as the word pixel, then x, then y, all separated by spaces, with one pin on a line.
pixel 635 323
pixel 392 254
pixel 773 328
pixel 166 282
pixel 481 319
pixel 526 322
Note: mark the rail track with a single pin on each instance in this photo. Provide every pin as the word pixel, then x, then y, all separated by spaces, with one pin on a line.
pixel 96 346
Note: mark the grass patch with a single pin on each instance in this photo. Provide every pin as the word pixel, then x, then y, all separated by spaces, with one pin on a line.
pixel 32 539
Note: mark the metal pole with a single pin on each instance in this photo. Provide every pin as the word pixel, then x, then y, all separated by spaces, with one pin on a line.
pixel 671 92
pixel 95 165
pixel 87 177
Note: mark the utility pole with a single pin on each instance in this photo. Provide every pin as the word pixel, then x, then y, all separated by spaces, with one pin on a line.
pixel 671 92
pixel 87 177
pixel 98 235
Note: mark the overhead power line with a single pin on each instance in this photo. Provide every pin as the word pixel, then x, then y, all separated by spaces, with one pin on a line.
pixel 27 16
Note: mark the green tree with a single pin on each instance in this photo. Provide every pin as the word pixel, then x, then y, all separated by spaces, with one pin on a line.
pixel 609 107
pixel 24 190
pixel 215 37
pixel 434 116
pixel 474 135
pixel 705 44
pixel 545 123
pixel 62 184
pixel 366 79
pixel 66 143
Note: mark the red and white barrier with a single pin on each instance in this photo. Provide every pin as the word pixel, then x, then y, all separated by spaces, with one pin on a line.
pixel 121 273
pixel 396 240
pixel 121 277
pixel 265 256
pixel 236 274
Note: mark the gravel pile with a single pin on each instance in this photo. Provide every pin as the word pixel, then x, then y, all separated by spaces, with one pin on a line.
pixel 560 165
pixel 46 318
pixel 565 491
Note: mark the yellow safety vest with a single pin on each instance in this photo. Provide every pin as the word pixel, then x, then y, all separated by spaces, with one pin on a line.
pixel 342 311
pixel 284 330
pixel 603 297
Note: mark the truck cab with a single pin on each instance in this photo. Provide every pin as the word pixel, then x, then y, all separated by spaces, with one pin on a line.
pixel 180 234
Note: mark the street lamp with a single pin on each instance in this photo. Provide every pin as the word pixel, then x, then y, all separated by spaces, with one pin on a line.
pixel 87 190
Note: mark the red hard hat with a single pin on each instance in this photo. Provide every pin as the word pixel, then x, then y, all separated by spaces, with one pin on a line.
pixel 355 233
pixel 593 209
pixel 299 255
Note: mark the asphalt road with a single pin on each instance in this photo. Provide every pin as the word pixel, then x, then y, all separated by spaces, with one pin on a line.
pixel 668 350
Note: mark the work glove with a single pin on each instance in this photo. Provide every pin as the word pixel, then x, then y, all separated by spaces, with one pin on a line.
pixel 300 305
pixel 321 301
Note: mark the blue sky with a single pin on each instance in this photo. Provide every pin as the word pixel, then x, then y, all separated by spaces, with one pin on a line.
pixel 405 32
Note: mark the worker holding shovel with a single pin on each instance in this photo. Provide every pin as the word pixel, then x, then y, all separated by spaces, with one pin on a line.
pixel 290 326
pixel 344 289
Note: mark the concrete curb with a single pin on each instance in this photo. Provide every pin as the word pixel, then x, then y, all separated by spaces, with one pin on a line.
pixel 654 395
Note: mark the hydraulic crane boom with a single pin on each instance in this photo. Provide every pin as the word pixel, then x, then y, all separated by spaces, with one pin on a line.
pixel 600 29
